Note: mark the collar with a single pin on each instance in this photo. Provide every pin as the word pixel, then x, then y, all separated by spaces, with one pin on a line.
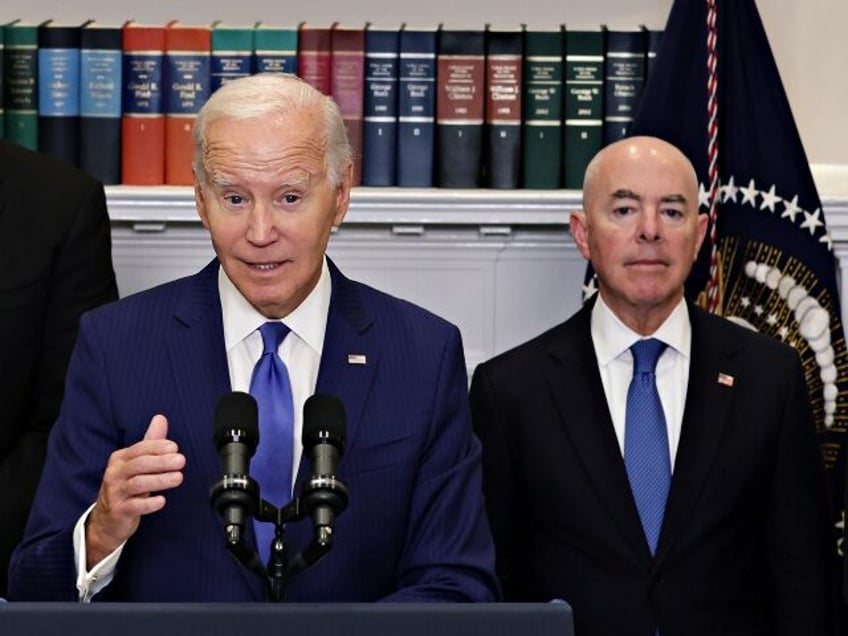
pixel 308 321
pixel 612 337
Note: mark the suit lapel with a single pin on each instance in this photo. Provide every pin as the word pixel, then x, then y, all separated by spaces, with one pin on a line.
pixel 705 419
pixel 198 355
pixel 577 391
pixel 350 356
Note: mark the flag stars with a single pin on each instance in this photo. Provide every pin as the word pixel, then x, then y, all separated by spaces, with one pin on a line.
pixel 792 209
pixel 770 199
pixel 703 196
pixel 783 332
pixel 745 302
pixel 812 221
pixel 758 309
pixel 771 320
pixel 729 191
pixel 827 239
pixel 589 288
pixel 749 194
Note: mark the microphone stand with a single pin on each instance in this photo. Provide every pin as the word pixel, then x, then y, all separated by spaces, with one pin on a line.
pixel 320 490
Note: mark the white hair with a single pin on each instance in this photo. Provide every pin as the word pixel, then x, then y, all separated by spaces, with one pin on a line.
pixel 264 94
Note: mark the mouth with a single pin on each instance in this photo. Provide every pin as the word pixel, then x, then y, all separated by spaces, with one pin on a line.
pixel 265 267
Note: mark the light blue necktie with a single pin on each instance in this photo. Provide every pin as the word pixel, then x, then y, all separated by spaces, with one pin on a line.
pixel 646 440
pixel 272 464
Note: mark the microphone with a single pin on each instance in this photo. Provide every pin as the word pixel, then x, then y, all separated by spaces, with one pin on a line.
pixel 235 496
pixel 324 495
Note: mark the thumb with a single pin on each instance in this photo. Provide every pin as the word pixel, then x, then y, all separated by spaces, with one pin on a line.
pixel 158 428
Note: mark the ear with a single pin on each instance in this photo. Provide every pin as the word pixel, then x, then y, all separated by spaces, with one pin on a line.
pixel 343 195
pixel 703 224
pixel 200 202
pixel 580 232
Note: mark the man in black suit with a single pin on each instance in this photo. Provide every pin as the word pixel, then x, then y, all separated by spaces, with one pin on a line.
pixel 55 263
pixel 741 541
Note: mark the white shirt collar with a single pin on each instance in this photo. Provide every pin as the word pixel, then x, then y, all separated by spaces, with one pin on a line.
pixel 612 337
pixel 308 321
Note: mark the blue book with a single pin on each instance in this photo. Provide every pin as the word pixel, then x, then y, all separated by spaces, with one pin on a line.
pixel 624 78
pixel 416 107
pixel 59 90
pixel 100 101
pixel 379 165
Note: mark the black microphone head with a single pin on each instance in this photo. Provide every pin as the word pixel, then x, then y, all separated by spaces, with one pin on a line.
pixel 324 422
pixel 237 420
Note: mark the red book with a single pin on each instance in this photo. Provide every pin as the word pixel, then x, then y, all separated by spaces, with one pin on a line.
pixel 313 56
pixel 347 85
pixel 187 84
pixel 142 118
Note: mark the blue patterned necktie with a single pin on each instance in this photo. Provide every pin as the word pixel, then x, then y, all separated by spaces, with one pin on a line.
pixel 646 440
pixel 272 464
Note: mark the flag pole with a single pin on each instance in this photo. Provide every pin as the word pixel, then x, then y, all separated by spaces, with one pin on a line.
pixel 712 152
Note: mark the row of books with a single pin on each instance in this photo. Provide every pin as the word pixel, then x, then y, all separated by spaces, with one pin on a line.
pixel 424 107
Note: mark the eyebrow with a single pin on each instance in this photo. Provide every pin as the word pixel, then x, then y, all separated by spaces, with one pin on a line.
pixel 624 193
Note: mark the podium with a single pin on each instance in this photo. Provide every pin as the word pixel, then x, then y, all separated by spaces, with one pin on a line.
pixel 314 619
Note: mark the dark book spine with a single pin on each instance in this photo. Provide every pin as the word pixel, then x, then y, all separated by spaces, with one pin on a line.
pixel 313 57
pixel 379 165
pixel 584 103
pixel 460 106
pixel 542 150
pixel 416 109
pixel 503 108
pixel 347 86
pixel 20 88
pixel 624 62
pixel 59 91
pixel 100 103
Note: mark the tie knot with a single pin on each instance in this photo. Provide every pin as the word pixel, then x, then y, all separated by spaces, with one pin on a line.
pixel 645 354
pixel 273 333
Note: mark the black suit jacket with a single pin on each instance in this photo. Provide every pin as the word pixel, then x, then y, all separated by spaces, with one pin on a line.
pixel 55 263
pixel 745 544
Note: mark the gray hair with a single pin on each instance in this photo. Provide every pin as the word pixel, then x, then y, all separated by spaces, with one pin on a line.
pixel 264 94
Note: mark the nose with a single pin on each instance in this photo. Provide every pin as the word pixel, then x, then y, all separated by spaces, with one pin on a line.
pixel 261 229
pixel 649 225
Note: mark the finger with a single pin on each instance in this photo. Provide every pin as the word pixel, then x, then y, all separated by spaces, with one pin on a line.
pixel 158 428
pixel 142 485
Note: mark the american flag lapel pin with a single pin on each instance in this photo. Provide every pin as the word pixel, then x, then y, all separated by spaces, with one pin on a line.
pixel 356 358
pixel 726 380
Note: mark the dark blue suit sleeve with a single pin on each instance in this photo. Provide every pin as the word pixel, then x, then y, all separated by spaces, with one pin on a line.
pixel 449 553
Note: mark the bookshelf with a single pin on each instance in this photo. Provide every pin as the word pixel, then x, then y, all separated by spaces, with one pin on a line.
pixel 500 264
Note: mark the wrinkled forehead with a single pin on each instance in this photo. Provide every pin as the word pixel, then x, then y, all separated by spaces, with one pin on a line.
pixel 279 145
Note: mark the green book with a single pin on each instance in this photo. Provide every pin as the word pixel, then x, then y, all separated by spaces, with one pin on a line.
pixel 2 56
pixel 584 102
pixel 20 83
pixel 542 161
pixel 275 48
pixel 231 53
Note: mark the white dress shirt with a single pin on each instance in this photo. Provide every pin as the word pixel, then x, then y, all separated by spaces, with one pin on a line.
pixel 300 351
pixel 613 339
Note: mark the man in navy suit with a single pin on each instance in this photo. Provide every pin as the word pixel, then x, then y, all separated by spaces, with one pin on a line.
pixel 732 537
pixel 55 264
pixel 123 512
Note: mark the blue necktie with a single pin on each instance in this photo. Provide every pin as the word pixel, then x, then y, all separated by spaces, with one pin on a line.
pixel 272 464
pixel 646 440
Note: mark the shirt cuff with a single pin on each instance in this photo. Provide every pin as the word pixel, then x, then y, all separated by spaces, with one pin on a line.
pixel 91 582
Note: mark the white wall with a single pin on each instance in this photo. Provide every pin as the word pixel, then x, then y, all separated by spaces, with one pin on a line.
pixel 807 37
